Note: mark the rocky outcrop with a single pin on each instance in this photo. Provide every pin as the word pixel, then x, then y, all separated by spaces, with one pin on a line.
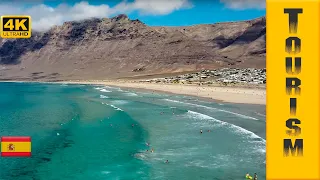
pixel 119 47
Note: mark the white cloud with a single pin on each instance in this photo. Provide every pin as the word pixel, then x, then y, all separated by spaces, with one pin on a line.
pixel 154 7
pixel 44 17
pixel 244 4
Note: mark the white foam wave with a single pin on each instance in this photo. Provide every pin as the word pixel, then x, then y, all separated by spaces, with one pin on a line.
pixel 212 108
pixel 260 114
pixel 104 90
pixel 113 106
pixel 114 88
pixel 103 97
pixel 236 129
pixel 120 102
pixel 131 94
pixel 141 156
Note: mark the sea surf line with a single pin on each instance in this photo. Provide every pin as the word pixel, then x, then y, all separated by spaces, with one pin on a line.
pixel 235 127
pixel 221 110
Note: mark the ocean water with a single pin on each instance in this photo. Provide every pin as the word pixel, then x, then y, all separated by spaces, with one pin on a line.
pixel 85 132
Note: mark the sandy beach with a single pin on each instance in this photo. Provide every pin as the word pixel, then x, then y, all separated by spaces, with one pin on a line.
pixel 240 95
pixel 226 94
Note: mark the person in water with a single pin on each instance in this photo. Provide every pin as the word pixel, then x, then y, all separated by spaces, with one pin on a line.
pixel 200 131
pixel 152 150
pixel 132 125
pixel 248 176
pixel 255 177
pixel 167 161
pixel 208 130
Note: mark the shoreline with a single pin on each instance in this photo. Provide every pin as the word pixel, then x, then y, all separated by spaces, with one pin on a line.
pixel 239 95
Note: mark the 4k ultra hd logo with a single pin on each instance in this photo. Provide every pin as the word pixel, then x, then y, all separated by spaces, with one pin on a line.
pixel 15 26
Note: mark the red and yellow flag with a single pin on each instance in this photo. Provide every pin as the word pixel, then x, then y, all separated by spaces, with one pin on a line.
pixel 19 146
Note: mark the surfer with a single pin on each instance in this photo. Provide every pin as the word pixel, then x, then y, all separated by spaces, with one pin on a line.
pixel 167 161
pixel 152 150
pixel 200 131
pixel 147 144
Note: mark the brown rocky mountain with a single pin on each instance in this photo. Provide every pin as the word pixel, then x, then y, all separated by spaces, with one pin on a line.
pixel 119 47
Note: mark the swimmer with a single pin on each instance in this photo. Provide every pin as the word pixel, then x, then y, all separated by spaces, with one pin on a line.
pixel 147 144
pixel 248 176
pixel 167 161
pixel 200 131
pixel 147 150
pixel 152 150
pixel 132 125
pixel 255 177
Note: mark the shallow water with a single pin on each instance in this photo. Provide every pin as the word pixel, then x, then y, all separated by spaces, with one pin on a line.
pixel 85 132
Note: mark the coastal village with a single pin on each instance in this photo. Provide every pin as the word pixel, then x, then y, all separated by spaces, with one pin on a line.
pixel 225 76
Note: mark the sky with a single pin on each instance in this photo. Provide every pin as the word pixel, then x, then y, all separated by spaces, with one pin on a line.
pixel 47 13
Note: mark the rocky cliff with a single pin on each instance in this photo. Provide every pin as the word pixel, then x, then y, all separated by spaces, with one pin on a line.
pixel 119 47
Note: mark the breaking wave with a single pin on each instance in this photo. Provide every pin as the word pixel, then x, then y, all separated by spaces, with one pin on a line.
pixel 113 106
pixel 212 108
pixel 103 97
pixel 235 129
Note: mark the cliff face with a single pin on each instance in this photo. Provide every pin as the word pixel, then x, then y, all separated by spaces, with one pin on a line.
pixel 120 47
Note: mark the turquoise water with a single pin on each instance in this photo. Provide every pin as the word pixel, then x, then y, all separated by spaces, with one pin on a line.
pixel 85 132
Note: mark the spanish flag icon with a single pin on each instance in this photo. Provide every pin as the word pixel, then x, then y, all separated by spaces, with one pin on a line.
pixel 16 146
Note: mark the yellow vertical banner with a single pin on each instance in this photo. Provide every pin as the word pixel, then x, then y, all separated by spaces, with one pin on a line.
pixel 293 78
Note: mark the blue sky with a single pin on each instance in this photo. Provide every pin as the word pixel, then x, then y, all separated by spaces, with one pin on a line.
pixel 46 13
